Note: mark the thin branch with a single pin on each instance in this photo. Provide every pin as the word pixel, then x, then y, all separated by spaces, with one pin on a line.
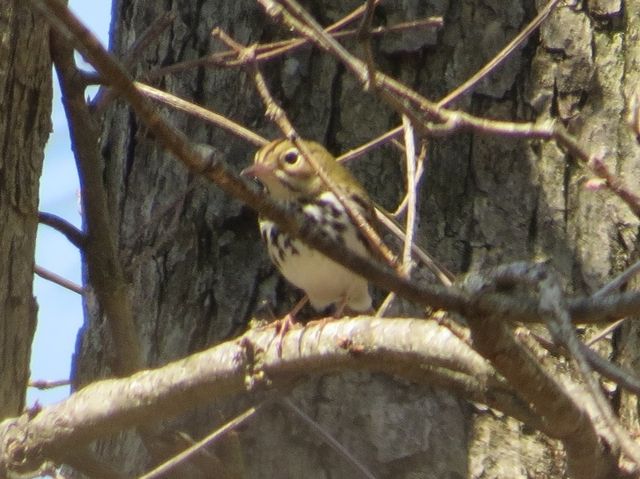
pixel 419 170
pixel 441 272
pixel 605 331
pixel 149 35
pixel 552 303
pixel 42 384
pixel 202 113
pixel 611 370
pixel 605 310
pixel 469 83
pixel 59 280
pixel 412 185
pixel 615 183
pixel 73 234
pixel 204 443
pixel 269 51
pixel 501 56
pixel 376 142
pixel 153 31
pixel 618 282
pixel 445 276
pixel 263 51
pixel 328 438
pixel 364 38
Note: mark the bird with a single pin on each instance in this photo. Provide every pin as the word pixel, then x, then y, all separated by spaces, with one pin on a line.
pixel 291 180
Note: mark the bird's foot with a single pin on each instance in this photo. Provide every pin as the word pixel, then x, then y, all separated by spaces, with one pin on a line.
pixel 287 323
pixel 282 327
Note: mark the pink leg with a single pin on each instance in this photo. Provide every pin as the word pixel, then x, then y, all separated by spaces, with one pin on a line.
pixel 340 308
pixel 285 324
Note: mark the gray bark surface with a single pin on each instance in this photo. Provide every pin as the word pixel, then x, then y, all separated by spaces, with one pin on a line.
pixel 198 271
pixel 25 109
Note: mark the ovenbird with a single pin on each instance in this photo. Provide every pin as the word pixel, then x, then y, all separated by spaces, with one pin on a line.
pixel 290 179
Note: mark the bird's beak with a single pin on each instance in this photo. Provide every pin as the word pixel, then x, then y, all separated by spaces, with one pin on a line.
pixel 257 170
pixel 254 171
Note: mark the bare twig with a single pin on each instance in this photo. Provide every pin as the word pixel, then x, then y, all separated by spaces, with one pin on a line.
pixel 613 285
pixel 619 281
pixel 364 38
pixel 269 51
pixel 200 112
pixel 412 185
pixel 153 31
pixel 611 370
pixel 73 234
pixel 445 276
pixel 376 142
pixel 149 35
pixel 615 184
pixel 605 331
pixel 501 56
pixel 328 438
pixel 204 443
pixel 472 81
pixel 57 279
pixel 42 384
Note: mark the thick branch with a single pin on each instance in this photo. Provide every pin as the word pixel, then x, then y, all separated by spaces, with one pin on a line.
pixel 105 272
pixel 568 419
pixel 416 349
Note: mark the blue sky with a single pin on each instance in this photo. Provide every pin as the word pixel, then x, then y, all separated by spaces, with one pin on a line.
pixel 60 310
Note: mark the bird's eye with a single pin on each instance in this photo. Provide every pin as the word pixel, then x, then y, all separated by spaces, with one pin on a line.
pixel 291 157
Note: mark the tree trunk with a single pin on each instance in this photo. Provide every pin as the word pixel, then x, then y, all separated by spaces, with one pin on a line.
pixel 198 271
pixel 25 83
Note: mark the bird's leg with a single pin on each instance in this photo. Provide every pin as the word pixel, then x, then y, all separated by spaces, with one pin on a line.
pixel 337 313
pixel 340 307
pixel 285 324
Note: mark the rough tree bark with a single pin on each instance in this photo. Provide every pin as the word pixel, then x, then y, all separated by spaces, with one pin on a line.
pixel 198 271
pixel 25 110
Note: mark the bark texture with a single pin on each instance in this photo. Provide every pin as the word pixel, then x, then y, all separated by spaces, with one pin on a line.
pixel 25 109
pixel 198 271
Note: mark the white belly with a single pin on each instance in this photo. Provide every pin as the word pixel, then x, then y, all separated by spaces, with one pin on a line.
pixel 325 281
